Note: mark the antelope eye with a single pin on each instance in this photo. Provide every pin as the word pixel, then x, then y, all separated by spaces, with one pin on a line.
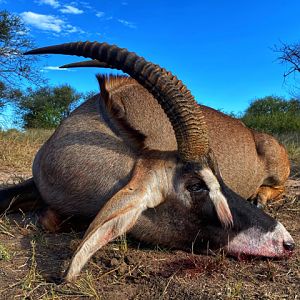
pixel 199 186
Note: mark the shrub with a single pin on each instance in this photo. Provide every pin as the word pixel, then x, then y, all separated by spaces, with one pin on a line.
pixel 273 115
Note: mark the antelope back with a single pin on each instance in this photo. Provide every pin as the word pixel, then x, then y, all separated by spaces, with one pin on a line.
pixel 232 142
pixel 83 162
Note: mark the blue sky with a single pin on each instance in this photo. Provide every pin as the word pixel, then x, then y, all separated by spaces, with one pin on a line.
pixel 220 49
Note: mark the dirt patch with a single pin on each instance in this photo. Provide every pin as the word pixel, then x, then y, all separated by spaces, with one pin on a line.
pixel 293 187
pixel 33 261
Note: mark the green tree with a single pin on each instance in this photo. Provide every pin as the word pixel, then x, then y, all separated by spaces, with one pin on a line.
pixel 15 68
pixel 46 107
pixel 273 114
pixel 270 105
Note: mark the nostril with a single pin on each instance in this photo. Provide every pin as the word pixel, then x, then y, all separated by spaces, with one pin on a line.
pixel 289 246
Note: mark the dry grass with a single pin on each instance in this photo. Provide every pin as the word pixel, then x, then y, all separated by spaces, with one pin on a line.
pixel 17 149
pixel 32 261
pixel 292 144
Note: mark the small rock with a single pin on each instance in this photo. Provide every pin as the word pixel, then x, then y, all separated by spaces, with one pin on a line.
pixel 129 260
pixel 123 268
pixel 114 262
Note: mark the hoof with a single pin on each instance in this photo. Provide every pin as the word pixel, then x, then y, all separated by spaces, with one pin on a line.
pixel 260 205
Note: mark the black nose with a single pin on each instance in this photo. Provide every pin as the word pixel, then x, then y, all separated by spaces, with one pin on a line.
pixel 289 246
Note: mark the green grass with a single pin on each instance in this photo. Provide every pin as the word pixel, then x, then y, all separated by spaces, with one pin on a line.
pixel 4 253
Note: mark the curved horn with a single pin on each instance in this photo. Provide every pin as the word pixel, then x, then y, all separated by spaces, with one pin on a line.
pixel 98 64
pixel 87 64
pixel 181 108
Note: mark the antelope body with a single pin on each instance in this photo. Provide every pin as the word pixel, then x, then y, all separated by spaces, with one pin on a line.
pixel 243 155
pixel 156 170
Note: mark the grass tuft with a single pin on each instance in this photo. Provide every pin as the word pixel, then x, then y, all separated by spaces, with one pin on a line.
pixel 4 253
pixel 32 276
pixel 292 143
pixel 17 149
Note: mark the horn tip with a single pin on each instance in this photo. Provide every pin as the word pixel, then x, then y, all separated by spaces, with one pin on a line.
pixel 37 51
pixel 63 66
pixel 28 52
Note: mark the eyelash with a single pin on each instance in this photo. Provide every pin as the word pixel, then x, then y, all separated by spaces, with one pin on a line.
pixel 197 187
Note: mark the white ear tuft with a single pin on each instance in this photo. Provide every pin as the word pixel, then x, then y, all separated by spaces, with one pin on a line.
pixel 217 197
pixel 222 208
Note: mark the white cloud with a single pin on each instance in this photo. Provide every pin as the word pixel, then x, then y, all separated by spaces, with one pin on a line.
pixel 69 9
pixel 53 3
pixel 83 3
pixel 22 32
pixel 72 29
pixel 127 23
pixel 100 14
pixel 55 68
pixel 43 22
pixel 49 23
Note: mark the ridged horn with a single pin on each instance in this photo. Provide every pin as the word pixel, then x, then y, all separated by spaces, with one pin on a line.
pixel 98 64
pixel 181 108
pixel 87 64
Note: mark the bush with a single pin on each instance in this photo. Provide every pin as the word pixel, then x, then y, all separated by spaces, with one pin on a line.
pixel 46 107
pixel 273 115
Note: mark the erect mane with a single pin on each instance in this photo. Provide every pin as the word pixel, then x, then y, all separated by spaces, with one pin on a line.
pixel 109 84
pixel 112 82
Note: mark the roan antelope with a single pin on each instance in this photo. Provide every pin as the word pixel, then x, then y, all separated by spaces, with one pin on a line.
pixel 143 157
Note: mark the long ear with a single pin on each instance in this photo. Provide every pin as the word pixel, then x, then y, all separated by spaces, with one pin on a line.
pixel 117 115
pixel 118 215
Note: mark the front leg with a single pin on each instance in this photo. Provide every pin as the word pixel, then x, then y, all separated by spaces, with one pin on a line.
pixel 267 193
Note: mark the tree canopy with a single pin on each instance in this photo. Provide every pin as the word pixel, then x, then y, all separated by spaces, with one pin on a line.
pixel 273 114
pixel 15 67
pixel 270 105
pixel 46 107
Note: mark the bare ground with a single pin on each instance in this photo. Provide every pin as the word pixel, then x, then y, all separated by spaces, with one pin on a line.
pixel 33 261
